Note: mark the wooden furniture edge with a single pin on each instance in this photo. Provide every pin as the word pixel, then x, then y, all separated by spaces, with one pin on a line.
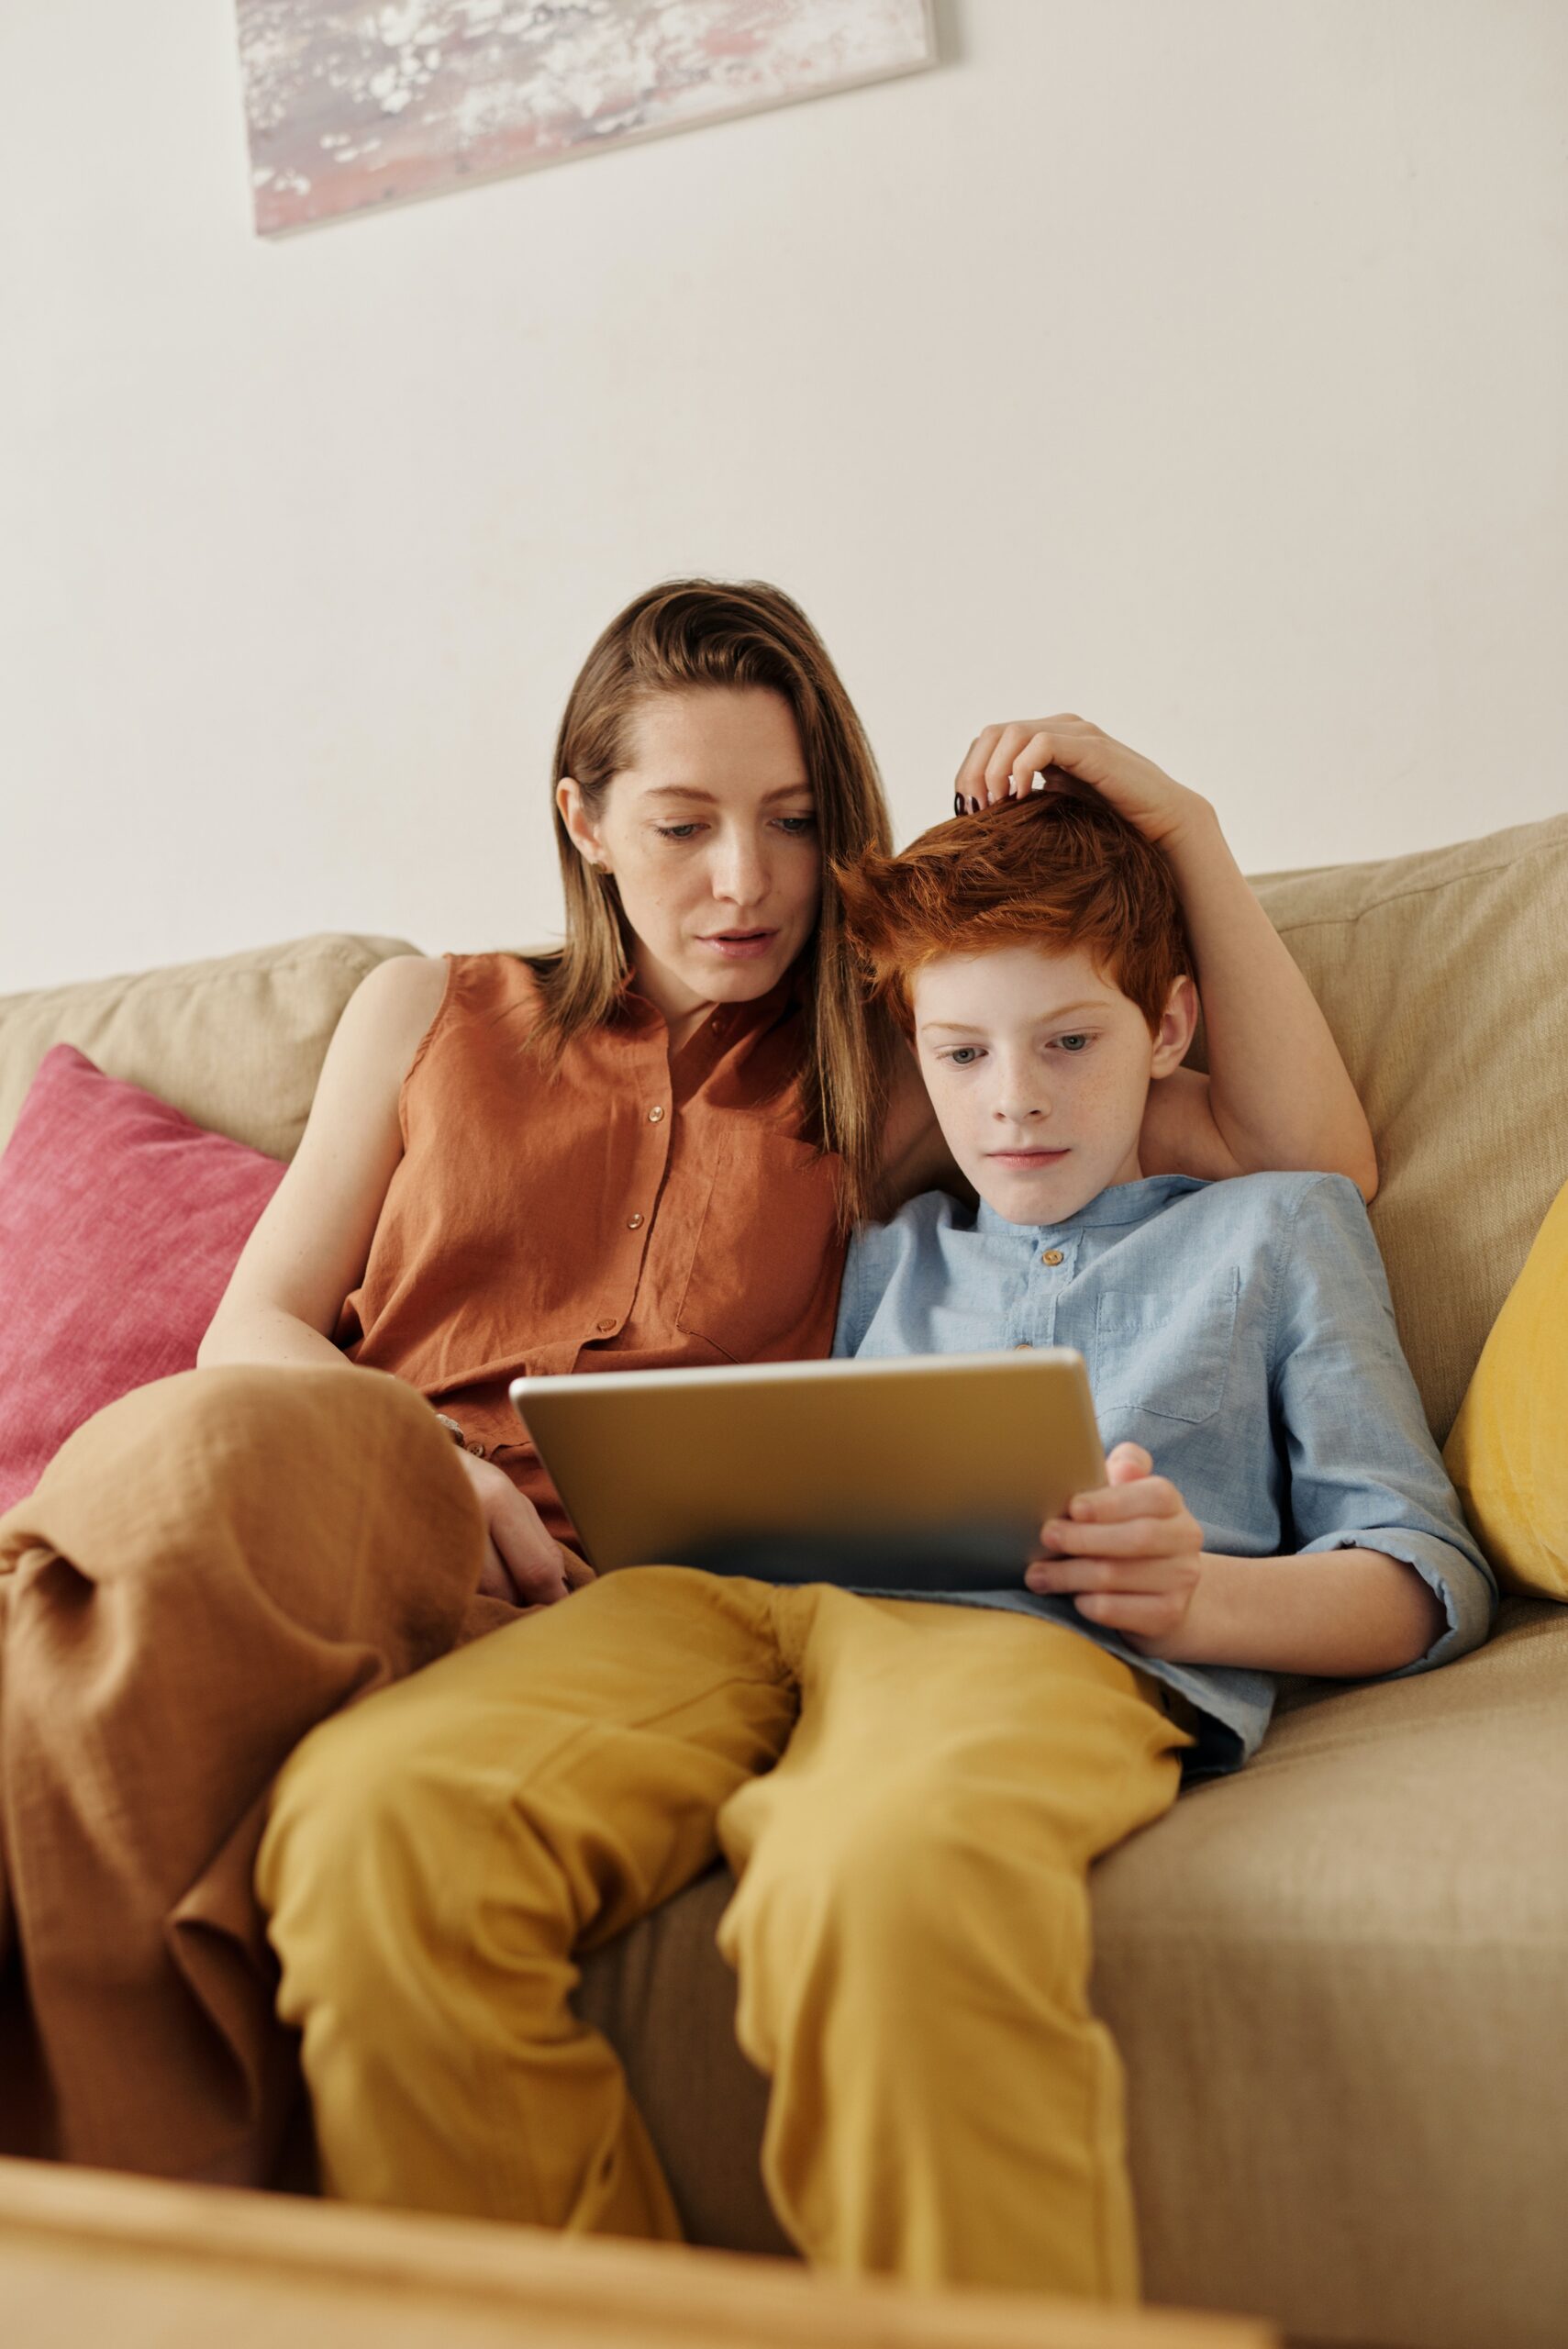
pixel 689 2294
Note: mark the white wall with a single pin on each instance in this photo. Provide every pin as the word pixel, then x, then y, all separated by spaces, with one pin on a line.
pixel 1201 367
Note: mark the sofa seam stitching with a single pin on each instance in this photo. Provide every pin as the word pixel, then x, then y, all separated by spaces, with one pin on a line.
pixel 1393 897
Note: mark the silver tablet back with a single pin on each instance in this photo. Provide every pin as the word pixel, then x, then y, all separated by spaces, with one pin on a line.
pixel 924 1472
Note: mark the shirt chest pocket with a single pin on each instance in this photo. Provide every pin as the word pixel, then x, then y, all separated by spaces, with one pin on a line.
pixel 764 1276
pixel 1165 1352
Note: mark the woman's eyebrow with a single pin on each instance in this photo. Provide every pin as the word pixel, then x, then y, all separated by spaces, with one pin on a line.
pixel 690 791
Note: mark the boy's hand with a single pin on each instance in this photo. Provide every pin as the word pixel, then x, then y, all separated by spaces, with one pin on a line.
pixel 1133 1549
pixel 523 1563
pixel 1004 760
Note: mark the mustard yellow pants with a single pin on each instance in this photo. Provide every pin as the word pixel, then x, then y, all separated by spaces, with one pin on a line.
pixel 910 1796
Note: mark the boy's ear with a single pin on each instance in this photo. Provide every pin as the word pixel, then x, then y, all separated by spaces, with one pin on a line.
pixel 1176 1027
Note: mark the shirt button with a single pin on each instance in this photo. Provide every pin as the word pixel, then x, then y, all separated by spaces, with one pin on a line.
pixel 1051 1256
pixel 655 1114
pixel 632 1222
pixel 604 1329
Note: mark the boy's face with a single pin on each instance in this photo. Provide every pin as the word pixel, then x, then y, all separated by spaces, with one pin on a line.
pixel 1039 1068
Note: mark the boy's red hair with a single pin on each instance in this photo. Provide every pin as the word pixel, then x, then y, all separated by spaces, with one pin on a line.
pixel 1058 869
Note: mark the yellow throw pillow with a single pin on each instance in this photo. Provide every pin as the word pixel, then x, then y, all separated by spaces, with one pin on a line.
pixel 1509 1451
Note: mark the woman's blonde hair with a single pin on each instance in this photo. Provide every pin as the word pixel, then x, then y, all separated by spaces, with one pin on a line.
pixel 681 637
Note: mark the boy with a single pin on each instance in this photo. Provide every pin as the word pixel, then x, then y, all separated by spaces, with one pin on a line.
pixel 910 1794
pixel 1239 1332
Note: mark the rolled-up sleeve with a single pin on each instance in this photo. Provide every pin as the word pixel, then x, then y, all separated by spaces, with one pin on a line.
pixel 1364 1473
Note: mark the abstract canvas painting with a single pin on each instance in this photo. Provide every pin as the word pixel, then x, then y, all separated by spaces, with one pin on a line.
pixel 351 107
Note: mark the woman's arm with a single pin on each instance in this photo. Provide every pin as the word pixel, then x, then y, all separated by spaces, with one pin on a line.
pixel 312 1242
pixel 1277 1095
pixel 310 1248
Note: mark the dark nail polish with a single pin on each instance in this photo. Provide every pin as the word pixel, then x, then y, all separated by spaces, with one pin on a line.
pixel 958 803
pixel 974 807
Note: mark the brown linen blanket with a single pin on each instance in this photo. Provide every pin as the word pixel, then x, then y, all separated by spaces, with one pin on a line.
pixel 207 1569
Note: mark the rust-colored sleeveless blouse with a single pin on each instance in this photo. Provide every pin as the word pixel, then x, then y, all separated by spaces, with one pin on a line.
pixel 628 1212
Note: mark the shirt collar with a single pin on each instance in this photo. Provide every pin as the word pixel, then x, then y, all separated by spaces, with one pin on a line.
pixel 1118 1203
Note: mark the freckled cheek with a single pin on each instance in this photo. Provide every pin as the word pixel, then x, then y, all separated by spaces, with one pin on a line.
pixel 969 1115
pixel 1097 1095
pixel 964 1132
pixel 1110 1099
pixel 650 902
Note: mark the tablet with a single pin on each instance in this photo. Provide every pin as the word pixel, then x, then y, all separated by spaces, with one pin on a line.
pixel 922 1472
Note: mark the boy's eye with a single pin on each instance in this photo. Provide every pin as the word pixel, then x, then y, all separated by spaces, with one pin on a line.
pixel 962 1056
pixel 1073 1044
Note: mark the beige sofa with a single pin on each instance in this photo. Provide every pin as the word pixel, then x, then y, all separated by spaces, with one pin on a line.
pixel 1340 1980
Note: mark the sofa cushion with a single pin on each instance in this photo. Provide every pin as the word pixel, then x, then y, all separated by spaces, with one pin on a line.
pixel 665 2000
pixel 1442 976
pixel 120 1223
pixel 1337 1982
pixel 237 1043
pixel 1508 1452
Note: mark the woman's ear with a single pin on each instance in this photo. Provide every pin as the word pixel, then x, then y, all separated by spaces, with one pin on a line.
pixel 1177 1025
pixel 574 809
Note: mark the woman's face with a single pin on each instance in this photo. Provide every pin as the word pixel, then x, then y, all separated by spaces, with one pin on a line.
pixel 711 835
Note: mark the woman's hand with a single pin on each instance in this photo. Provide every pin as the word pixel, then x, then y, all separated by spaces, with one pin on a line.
pixel 523 1562
pixel 1004 760
pixel 1134 1548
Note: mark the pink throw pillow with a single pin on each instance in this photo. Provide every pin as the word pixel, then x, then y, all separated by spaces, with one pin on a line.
pixel 120 1223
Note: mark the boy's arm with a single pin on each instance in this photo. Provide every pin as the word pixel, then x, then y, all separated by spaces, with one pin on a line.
pixel 1278 1097
pixel 1386 1577
pixel 1350 1616
pixel 1129 1556
pixel 1364 1474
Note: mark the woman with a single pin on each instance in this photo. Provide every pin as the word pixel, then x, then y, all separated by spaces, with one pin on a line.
pixel 642 1150
pixel 740 770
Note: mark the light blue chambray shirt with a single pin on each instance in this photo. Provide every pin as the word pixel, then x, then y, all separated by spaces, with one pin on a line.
pixel 1242 1333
